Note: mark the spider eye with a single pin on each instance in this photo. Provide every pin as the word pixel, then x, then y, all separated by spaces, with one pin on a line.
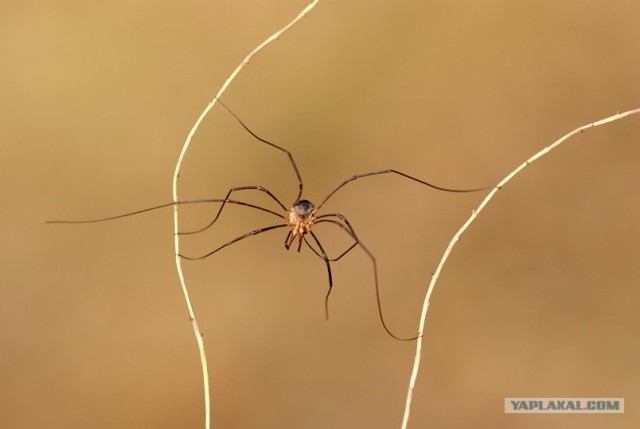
pixel 303 207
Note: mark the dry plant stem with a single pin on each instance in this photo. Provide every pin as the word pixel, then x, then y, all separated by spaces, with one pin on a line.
pixel 456 237
pixel 176 175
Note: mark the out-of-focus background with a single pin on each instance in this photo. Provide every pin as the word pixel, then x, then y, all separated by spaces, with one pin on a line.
pixel 539 299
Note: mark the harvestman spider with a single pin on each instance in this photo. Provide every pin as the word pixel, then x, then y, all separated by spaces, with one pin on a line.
pixel 300 219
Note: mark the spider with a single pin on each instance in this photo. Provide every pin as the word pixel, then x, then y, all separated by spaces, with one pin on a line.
pixel 299 219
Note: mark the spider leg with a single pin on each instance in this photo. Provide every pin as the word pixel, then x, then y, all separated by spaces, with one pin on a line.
pixel 346 226
pixel 323 218
pixel 235 240
pixel 293 163
pixel 174 203
pixel 226 199
pixel 400 173
pixel 314 250
pixel 337 258
pixel 326 260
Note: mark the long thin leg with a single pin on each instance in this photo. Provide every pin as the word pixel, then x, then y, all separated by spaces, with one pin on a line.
pixel 350 248
pixel 387 171
pixel 226 199
pixel 293 163
pixel 349 229
pixel 198 201
pixel 326 260
pixel 235 240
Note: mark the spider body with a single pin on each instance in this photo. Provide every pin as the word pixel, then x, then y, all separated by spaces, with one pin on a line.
pixel 300 218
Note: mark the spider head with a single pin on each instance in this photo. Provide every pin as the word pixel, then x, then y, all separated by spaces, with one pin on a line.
pixel 303 207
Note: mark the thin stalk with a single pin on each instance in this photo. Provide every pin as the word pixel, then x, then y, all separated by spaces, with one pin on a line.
pixel 465 226
pixel 176 175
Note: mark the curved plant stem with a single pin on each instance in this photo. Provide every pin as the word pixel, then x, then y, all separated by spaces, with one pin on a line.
pixel 176 175
pixel 456 237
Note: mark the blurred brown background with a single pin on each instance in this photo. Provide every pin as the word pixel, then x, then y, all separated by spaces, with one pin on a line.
pixel 540 298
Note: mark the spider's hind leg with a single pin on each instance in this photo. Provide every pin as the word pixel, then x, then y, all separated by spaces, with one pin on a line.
pixel 323 255
pixel 343 223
